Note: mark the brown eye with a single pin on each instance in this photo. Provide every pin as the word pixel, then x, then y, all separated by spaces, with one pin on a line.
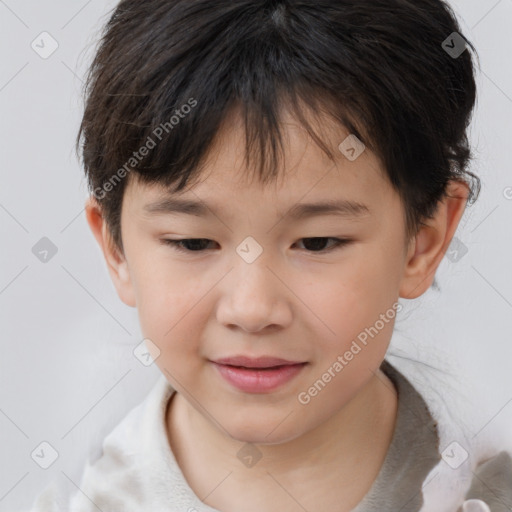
pixel 317 244
pixel 195 244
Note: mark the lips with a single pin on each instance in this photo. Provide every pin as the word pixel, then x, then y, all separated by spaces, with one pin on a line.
pixel 263 362
pixel 257 375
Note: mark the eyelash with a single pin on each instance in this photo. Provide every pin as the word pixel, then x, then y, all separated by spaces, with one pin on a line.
pixel 339 243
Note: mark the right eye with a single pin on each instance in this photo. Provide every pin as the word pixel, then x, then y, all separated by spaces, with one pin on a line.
pixel 181 245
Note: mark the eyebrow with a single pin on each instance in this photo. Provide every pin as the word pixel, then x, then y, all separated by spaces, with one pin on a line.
pixel 342 207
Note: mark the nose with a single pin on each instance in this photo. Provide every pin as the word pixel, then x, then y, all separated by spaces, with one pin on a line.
pixel 254 298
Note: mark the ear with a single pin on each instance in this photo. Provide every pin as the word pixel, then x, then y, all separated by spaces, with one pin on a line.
pixel 116 261
pixel 430 244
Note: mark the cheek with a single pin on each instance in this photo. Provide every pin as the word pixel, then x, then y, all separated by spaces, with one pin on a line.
pixel 349 301
pixel 170 308
pixel 374 273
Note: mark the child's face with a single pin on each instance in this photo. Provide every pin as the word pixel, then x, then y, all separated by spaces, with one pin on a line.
pixel 295 301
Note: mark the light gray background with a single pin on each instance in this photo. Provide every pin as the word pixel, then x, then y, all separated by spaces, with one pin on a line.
pixel 67 371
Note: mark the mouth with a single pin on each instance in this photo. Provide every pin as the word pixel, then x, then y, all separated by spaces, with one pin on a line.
pixel 270 368
pixel 264 362
pixel 262 375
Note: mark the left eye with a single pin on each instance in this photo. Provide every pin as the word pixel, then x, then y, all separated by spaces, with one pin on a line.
pixel 195 244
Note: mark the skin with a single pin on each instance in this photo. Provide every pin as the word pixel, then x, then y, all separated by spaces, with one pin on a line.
pixel 292 302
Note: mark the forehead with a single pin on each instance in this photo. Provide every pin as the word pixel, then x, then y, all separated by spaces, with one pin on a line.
pixel 306 175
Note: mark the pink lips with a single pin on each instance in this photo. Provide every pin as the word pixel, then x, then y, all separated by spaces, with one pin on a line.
pixel 259 362
pixel 260 375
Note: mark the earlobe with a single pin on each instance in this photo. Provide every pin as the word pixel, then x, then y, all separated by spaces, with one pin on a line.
pixel 432 241
pixel 421 264
pixel 116 262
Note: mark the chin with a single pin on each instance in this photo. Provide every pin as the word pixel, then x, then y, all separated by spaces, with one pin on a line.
pixel 263 432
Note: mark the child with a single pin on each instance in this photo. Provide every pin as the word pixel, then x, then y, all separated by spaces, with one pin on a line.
pixel 269 303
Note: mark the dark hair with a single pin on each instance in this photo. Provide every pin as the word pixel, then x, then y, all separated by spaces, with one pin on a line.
pixel 176 68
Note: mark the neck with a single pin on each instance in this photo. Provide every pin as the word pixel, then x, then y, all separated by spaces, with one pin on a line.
pixel 345 452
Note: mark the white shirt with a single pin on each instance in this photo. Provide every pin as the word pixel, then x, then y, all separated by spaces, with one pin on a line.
pixel 137 471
